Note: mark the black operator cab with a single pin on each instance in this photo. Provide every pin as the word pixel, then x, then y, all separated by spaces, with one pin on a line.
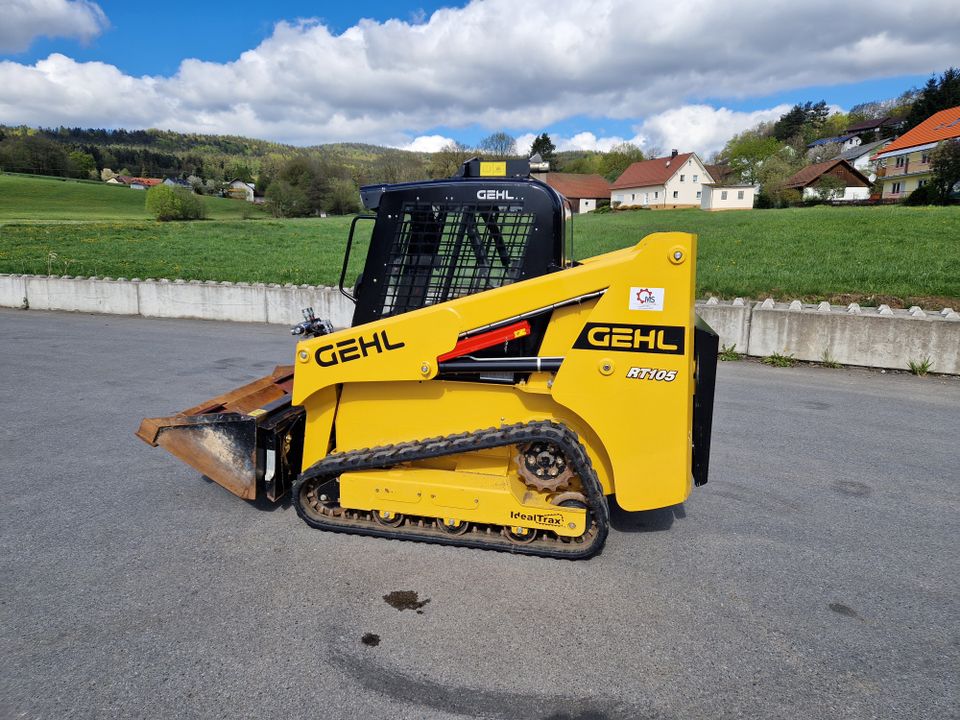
pixel 488 226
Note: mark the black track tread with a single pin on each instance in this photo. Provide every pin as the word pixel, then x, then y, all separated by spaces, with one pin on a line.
pixel 394 454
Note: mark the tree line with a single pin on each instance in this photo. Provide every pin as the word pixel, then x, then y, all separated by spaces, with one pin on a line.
pixel 309 180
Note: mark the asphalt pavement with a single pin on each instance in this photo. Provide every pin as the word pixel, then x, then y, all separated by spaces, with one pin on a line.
pixel 814 576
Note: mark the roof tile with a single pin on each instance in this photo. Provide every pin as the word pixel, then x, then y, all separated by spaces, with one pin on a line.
pixel 576 186
pixel 650 172
pixel 943 125
pixel 812 173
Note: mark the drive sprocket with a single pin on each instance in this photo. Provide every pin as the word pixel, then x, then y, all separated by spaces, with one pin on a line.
pixel 543 466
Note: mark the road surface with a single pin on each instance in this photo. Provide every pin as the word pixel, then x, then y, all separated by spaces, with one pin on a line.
pixel 815 576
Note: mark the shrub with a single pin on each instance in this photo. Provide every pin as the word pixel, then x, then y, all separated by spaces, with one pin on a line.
pixel 286 200
pixel 923 195
pixel 343 197
pixel 170 203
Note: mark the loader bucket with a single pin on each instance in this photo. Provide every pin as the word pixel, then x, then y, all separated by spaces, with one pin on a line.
pixel 230 438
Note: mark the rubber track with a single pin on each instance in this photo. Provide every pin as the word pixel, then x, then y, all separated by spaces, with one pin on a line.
pixel 389 455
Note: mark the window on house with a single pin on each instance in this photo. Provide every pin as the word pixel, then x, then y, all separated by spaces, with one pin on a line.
pixel 682 177
pixel 633 196
pixel 925 158
pixel 896 189
pixel 699 194
pixel 901 161
pixel 696 178
pixel 739 194
pixel 723 194
pixel 921 183
pixel 656 194
pixel 675 194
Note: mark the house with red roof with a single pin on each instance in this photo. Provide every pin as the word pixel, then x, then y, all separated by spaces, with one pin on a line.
pixel 856 185
pixel 675 181
pixel 904 164
pixel 582 191
pixel 134 183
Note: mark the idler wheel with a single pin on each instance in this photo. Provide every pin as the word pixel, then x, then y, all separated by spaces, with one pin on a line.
pixel 453 527
pixel 387 518
pixel 520 535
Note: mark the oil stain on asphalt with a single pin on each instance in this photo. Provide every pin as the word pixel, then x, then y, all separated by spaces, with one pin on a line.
pixel 405 600
pixel 844 610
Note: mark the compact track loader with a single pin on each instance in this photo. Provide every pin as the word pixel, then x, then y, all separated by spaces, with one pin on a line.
pixel 491 392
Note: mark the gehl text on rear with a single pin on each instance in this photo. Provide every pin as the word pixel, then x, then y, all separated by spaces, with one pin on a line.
pixel 355 348
pixel 494 195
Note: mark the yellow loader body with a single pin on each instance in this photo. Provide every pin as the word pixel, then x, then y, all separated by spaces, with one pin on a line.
pixel 491 391
pixel 644 457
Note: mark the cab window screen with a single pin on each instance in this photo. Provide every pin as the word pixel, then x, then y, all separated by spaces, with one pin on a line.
pixel 444 251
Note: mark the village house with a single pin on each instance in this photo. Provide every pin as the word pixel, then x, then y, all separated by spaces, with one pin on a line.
pixel 717 196
pixel 582 191
pixel 134 183
pixel 846 142
pixel 861 157
pixel 177 182
pixel 240 190
pixel 870 130
pixel 856 185
pixel 675 181
pixel 905 163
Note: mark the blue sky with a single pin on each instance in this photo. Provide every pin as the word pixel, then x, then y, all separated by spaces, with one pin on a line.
pixel 592 73
pixel 146 39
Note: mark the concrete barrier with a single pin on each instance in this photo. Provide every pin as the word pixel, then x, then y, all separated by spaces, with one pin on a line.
pixel 13 290
pixel 284 304
pixel 76 294
pixel 851 335
pixel 731 320
pixel 202 300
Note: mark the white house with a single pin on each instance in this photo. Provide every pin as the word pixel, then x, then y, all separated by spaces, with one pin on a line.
pixel 668 182
pixel 240 190
pixel 846 142
pixel 727 197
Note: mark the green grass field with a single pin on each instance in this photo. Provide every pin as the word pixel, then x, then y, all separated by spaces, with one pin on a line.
pixel 24 197
pixel 888 254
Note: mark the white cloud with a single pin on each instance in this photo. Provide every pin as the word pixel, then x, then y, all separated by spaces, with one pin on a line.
pixel 700 128
pixel 580 141
pixel 390 81
pixel 427 143
pixel 25 20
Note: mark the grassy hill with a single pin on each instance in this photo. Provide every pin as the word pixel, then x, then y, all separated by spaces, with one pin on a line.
pixel 159 153
pixel 38 198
